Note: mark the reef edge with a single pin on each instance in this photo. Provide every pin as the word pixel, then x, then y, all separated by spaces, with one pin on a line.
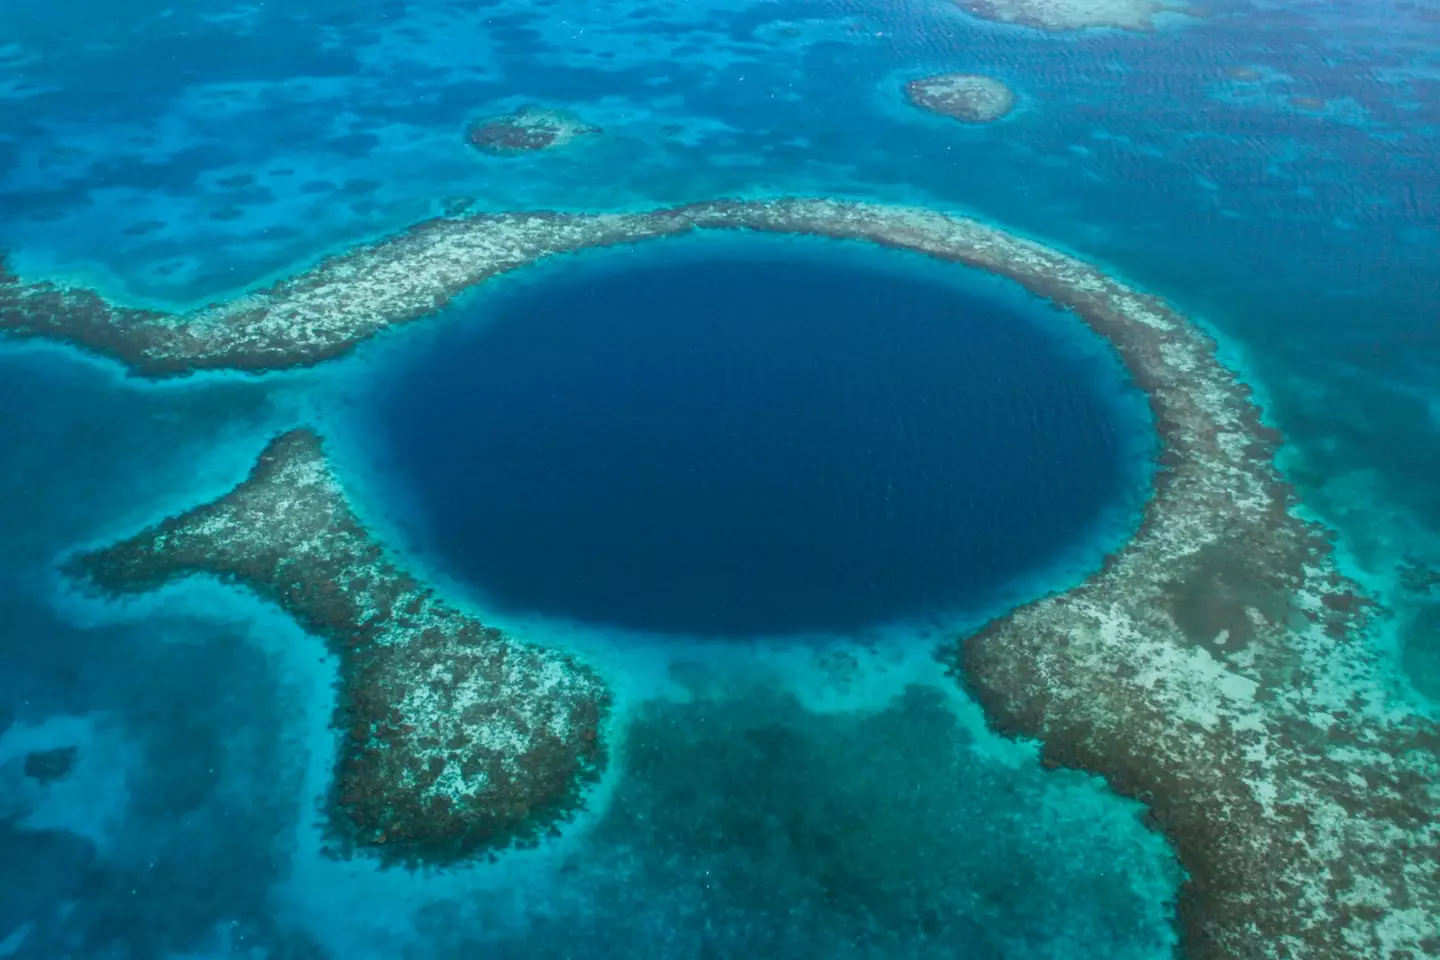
pixel 453 739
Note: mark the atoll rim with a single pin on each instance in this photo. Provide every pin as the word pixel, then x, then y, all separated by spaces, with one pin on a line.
pixel 1210 669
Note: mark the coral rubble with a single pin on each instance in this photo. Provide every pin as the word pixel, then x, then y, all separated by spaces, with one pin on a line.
pixel 526 130
pixel 967 97
pixel 455 738
pixel 1217 668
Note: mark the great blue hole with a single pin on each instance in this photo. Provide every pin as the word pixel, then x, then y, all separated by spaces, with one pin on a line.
pixel 756 436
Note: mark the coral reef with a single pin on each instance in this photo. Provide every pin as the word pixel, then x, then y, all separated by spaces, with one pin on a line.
pixel 967 97
pixel 1217 668
pixel 455 738
pixel 526 130
pixel 1069 14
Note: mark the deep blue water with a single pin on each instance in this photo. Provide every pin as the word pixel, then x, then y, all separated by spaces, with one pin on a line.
pixel 174 152
pixel 754 438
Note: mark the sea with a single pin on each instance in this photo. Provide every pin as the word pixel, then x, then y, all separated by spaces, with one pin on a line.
pixel 755 481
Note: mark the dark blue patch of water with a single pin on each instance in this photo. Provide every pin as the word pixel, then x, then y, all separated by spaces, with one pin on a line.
pixel 752 437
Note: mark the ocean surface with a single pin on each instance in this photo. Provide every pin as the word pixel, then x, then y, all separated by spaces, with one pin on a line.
pixel 837 457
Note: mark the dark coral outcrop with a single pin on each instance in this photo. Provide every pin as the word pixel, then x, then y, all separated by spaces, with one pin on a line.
pixel 526 130
pixel 47 766
pixel 967 97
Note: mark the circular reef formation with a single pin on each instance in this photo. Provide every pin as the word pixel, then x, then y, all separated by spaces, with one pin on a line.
pixel 967 97
pixel 1219 667
pixel 526 130
pixel 743 438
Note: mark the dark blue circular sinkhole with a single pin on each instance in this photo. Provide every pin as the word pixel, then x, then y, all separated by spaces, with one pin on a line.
pixel 755 436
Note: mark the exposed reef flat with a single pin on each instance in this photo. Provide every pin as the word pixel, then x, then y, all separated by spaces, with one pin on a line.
pixel 1216 668
pixel 455 738
pixel 967 97
pixel 1070 14
pixel 526 130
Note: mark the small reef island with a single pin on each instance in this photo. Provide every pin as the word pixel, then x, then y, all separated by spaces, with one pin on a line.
pixel 526 130
pixel 1216 669
pixel 967 97
pixel 1057 15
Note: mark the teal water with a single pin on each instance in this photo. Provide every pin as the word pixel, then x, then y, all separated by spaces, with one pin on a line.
pixel 765 800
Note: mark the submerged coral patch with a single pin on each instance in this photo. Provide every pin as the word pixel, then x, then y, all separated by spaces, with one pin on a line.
pixel 454 738
pixel 526 130
pixel 967 97
pixel 759 828
pixel 47 766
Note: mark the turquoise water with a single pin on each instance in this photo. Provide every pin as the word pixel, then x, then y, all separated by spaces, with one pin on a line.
pixel 765 799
